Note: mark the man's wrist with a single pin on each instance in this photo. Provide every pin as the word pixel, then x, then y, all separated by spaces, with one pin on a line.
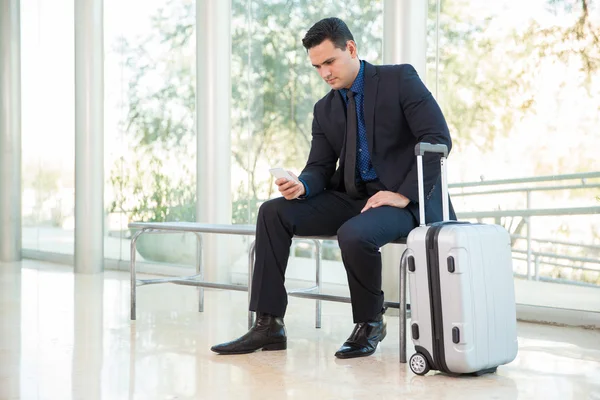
pixel 305 194
pixel 403 197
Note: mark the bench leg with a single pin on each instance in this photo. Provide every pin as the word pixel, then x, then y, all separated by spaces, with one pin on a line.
pixel 132 313
pixel 402 306
pixel 200 271
pixel 318 282
pixel 251 253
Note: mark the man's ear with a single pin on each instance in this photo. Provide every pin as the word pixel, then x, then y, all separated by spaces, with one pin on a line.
pixel 351 46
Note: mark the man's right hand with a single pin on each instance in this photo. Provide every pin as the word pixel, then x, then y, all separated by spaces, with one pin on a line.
pixel 290 189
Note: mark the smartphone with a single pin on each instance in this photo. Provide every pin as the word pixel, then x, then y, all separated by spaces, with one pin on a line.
pixel 282 173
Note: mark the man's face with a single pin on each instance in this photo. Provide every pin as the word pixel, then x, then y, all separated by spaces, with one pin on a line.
pixel 336 66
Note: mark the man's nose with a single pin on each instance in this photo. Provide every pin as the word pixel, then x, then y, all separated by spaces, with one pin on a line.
pixel 325 73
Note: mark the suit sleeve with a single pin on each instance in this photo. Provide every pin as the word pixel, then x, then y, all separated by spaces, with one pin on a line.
pixel 427 124
pixel 321 161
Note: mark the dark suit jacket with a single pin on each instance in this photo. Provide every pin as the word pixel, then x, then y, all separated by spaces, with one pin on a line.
pixel 399 112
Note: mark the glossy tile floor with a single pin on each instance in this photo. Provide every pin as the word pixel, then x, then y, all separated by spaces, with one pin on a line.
pixel 69 337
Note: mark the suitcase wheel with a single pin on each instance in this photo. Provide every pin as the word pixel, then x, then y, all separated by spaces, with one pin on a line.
pixel 418 364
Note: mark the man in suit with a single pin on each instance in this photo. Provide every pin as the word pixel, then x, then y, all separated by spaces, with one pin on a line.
pixel 370 122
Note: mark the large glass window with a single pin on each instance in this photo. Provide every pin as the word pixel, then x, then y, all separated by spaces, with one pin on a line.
pixel 48 125
pixel 150 87
pixel 150 139
pixel 519 85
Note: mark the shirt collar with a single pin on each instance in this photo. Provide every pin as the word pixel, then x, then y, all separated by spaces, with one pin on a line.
pixel 359 83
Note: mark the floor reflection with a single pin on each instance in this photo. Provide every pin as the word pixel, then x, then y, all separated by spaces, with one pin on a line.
pixel 66 336
pixel 88 329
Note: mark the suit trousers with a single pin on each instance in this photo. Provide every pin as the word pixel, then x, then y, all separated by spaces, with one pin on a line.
pixel 360 236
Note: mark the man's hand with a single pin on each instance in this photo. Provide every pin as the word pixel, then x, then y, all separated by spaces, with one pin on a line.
pixel 290 189
pixel 385 198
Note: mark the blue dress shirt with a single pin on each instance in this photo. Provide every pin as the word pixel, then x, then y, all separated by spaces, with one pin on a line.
pixel 365 169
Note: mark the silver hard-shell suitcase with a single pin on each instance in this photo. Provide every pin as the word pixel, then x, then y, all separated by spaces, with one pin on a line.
pixel 463 312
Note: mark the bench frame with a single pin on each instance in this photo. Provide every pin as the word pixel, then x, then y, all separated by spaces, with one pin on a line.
pixel 313 292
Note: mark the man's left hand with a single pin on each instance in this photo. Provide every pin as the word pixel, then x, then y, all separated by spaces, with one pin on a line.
pixel 385 198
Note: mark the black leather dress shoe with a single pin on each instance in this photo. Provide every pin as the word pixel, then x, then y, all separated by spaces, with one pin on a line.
pixel 364 338
pixel 268 333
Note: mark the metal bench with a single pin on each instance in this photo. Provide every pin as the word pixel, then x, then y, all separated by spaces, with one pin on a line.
pixel 197 279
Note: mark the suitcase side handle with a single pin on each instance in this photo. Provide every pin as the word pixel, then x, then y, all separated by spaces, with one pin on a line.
pixel 420 150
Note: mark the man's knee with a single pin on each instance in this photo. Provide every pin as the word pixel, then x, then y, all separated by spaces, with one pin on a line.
pixel 351 238
pixel 275 210
pixel 270 207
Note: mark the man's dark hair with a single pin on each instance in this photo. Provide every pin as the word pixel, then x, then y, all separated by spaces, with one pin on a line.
pixel 333 29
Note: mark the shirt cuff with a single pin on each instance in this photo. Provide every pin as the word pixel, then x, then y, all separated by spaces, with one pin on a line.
pixel 305 195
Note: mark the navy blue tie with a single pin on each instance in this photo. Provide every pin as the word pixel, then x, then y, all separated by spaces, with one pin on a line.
pixel 350 159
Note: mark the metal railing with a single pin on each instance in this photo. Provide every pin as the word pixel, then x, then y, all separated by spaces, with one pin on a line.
pixel 534 258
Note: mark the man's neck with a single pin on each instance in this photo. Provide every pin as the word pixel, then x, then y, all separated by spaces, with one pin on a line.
pixel 355 74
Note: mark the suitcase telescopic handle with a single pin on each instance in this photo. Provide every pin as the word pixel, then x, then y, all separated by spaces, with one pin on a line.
pixel 420 150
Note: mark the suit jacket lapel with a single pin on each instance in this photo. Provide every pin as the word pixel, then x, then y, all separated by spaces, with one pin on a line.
pixel 371 85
